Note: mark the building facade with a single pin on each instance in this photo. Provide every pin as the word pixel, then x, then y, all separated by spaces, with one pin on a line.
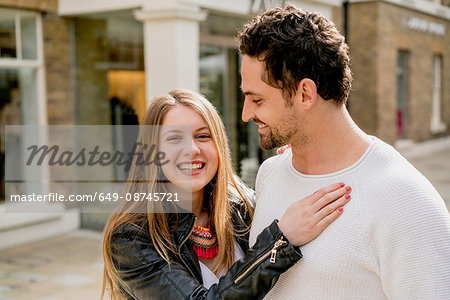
pixel 400 53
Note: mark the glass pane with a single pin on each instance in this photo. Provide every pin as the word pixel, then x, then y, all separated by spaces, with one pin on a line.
pixel 7 35
pixel 10 104
pixel 28 95
pixel 28 37
pixel 10 114
pixel 402 89
pixel 18 106
pixel 212 71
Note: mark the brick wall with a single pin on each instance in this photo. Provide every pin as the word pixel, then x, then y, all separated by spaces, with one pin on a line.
pixel 58 67
pixel 363 98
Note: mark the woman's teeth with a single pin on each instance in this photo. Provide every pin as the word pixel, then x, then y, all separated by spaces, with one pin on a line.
pixel 190 167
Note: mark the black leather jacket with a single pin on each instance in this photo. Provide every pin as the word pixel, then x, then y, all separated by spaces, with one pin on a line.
pixel 145 275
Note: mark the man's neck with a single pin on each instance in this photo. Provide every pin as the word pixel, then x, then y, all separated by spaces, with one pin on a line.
pixel 334 144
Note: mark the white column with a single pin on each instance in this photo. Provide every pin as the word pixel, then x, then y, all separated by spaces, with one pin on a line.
pixel 436 125
pixel 171 46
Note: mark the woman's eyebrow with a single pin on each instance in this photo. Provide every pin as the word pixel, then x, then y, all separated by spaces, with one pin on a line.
pixel 171 132
pixel 202 128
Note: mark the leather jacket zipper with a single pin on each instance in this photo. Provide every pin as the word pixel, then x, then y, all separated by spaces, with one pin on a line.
pixel 181 245
pixel 273 254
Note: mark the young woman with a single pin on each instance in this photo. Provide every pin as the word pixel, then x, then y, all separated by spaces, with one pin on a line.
pixel 157 250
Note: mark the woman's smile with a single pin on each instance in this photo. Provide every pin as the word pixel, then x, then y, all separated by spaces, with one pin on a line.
pixel 191 168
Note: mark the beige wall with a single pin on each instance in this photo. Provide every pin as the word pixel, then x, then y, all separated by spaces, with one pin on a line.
pixel 44 5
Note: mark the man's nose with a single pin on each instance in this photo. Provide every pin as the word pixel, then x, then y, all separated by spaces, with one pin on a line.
pixel 247 111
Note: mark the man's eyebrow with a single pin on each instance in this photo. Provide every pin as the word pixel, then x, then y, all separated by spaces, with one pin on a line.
pixel 248 92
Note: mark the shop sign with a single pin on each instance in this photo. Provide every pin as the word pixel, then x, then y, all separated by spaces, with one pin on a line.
pixel 422 25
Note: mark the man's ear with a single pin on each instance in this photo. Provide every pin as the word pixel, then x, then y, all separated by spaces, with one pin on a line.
pixel 308 92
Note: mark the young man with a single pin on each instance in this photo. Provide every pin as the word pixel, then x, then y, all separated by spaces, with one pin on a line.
pixel 393 240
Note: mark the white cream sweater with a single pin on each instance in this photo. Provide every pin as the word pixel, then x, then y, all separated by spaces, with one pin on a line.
pixel 391 242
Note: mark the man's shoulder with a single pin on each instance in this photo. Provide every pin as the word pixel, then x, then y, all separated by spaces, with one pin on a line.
pixel 276 160
pixel 272 165
pixel 387 160
pixel 392 183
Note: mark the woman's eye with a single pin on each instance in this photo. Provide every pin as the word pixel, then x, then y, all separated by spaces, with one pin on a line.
pixel 174 138
pixel 203 136
pixel 257 101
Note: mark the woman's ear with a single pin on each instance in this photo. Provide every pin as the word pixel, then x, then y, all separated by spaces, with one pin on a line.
pixel 308 91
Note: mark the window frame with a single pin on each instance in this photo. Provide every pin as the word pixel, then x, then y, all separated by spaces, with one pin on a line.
pixel 35 64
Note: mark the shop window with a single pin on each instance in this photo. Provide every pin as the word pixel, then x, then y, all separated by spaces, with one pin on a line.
pixel 124 136
pixel 18 35
pixel 402 93
pixel 21 78
pixel 437 125
pixel 212 74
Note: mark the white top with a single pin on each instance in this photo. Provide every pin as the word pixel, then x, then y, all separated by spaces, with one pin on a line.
pixel 209 278
pixel 391 242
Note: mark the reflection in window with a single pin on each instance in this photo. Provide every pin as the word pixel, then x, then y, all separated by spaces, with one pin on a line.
pixel 18 85
pixel 402 93
pixel 18 106
pixel 7 35
pixel 212 70
pixel 28 37
pixel 10 114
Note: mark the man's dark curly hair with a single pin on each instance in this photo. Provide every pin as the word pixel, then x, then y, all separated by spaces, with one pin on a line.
pixel 294 45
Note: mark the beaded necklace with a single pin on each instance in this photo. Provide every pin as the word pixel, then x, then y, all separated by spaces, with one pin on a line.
pixel 205 242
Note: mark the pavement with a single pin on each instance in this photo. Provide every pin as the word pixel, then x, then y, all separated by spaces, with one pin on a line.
pixel 69 267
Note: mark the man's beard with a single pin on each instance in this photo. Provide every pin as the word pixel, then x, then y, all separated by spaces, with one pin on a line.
pixel 283 133
pixel 275 138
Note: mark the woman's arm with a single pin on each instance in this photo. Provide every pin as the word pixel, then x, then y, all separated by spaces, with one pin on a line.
pixel 146 275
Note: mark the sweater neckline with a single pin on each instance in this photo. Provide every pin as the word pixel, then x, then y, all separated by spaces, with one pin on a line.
pixel 369 149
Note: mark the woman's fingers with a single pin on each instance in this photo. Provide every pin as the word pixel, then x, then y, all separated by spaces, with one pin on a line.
pixel 329 219
pixel 330 197
pixel 331 208
pixel 319 194
pixel 283 148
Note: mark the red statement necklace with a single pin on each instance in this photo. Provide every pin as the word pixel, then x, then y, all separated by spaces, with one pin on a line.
pixel 205 242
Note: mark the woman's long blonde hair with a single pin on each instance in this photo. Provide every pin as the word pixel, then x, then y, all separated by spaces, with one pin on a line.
pixel 158 226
